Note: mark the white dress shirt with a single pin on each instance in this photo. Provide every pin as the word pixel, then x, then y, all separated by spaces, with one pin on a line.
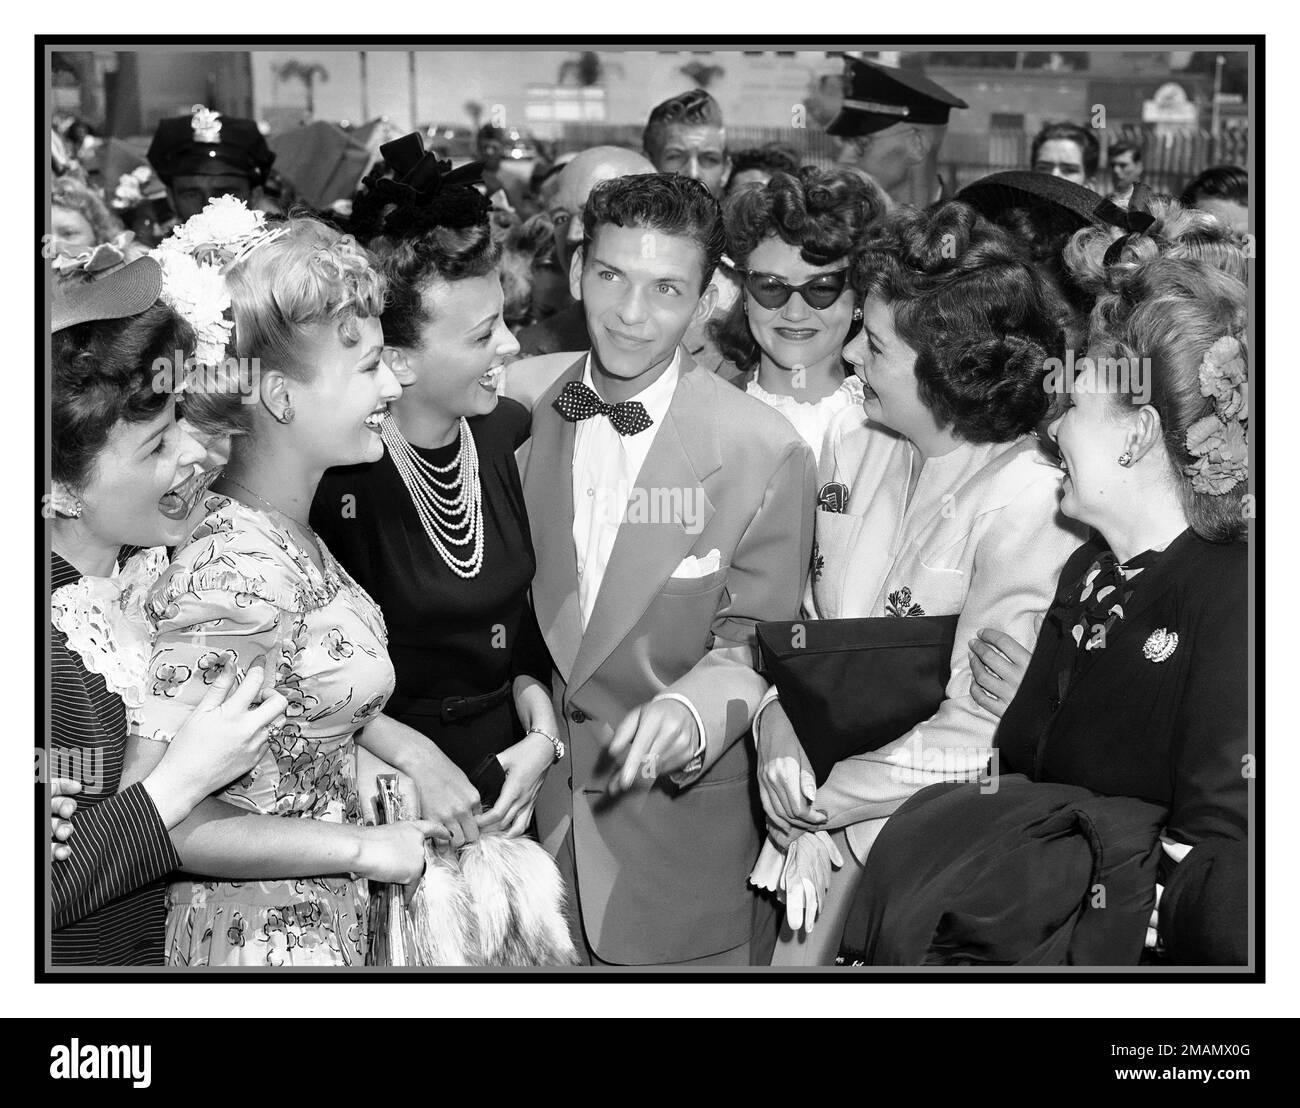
pixel 605 469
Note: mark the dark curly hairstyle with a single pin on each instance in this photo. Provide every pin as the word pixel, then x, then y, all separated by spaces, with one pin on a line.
pixel 417 241
pixel 982 320
pixel 825 213
pixel 103 372
pixel 662 202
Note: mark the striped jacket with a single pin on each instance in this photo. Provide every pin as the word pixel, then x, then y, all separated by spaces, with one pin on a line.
pixel 107 897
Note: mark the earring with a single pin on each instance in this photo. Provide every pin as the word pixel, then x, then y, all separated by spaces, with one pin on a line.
pixel 857 313
pixel 286 416
pixel 1126 458
pixel 64 503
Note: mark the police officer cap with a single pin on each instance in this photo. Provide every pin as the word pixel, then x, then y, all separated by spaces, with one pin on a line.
pixel 208 144
pixel 876 97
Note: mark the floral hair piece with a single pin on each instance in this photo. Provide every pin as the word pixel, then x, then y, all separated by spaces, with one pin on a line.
pixel 90 263
pixel 194 257
pixel 1220 441
pixel 135 188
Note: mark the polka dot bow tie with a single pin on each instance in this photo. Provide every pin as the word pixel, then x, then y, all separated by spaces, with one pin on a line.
pixel 577 402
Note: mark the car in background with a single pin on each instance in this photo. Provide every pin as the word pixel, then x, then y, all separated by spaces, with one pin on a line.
pixel 520 146
pixel 450 140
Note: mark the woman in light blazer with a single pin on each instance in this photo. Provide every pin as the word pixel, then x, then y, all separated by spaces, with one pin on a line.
pixel 935 500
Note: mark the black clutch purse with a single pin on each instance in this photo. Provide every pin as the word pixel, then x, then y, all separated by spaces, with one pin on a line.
pixel 853 685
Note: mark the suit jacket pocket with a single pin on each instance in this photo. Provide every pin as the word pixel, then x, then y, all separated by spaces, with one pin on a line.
pixel 694 586
pixel 922 590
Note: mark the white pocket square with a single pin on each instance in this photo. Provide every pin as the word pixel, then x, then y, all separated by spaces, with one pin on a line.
pixel 692 567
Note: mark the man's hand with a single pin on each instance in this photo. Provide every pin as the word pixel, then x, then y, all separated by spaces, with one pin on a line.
pixel 786 784
pixel 62 807
pixel 655 740
pixel 525 764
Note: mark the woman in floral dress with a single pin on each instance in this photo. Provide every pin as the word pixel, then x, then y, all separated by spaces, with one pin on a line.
pixel 307 390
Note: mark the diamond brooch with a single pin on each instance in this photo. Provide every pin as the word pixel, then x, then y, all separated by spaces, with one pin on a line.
pixel 1160 645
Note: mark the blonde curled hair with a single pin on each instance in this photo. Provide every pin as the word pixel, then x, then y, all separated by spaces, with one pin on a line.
pixel 308 275
pixel 1177 232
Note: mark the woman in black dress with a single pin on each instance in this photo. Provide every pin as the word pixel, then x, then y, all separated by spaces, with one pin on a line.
pixel 1134 707
pixel 436 531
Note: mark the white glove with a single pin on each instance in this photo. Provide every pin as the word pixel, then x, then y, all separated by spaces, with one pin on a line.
pixel 807 877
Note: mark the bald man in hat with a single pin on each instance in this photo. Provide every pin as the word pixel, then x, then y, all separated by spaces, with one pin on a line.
pixel 893 123
pixel 207 154
pixel 566 330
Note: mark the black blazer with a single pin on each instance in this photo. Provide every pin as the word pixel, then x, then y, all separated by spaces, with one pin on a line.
pixel 107 900
pixel 1173 732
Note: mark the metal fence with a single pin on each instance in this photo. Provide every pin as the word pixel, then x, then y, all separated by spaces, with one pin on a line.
pixel 1169 161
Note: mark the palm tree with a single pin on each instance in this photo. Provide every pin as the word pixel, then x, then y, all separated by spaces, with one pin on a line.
pixel 703 75
pixel 587 70
pixel 307 73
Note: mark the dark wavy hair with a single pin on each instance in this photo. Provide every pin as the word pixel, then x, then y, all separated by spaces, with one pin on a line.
pixel 103 372
pixel 1219 182
pixel 415 247
pixel 982 320
pixel 773 157
pixel 662 202
pixel 824 213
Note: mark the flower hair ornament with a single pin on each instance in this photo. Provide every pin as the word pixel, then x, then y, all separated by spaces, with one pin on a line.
pixel 195 256
pixel 427 193
pixel 135 187
pixel 98 260
pixel 1219 442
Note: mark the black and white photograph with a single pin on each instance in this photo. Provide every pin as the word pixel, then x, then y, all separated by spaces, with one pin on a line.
pixel 559 511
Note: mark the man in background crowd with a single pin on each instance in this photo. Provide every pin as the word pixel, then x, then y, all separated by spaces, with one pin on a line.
pixel 684 135
pixel 207 154
pixel 1224 192
pixel 1066 150
pixel 1124 159
pixel 567 328
pixel 893 122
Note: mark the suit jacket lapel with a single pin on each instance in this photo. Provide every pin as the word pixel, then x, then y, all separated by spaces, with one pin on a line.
pixel 684 452
pixel 548 495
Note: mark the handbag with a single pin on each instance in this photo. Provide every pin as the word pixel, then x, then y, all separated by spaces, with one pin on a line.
pixel 852 685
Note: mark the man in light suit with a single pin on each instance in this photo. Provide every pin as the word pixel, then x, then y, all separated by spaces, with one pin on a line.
pixel 670 513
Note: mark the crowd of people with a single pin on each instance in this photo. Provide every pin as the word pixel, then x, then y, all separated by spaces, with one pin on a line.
pixel 496 487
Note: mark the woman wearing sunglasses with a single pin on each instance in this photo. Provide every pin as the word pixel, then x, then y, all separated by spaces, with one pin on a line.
pixel 790 240
pixel 940 502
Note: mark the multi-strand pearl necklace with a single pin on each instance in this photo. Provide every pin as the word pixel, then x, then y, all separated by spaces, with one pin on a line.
pixel 450 510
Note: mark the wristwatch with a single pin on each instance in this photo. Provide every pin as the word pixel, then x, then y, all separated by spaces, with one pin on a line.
pixel 556 743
